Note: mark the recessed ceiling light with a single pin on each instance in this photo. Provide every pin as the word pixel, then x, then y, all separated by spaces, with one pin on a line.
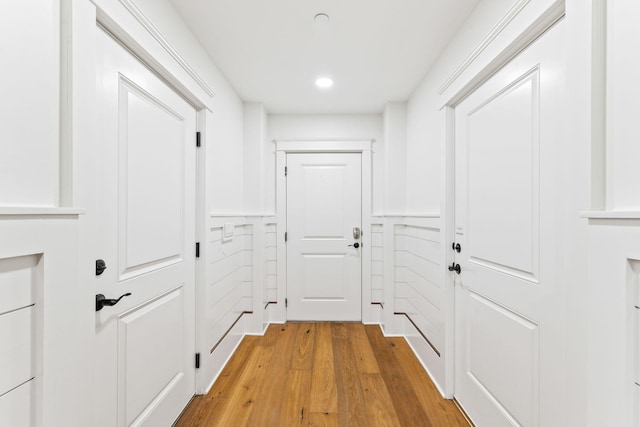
pixel 324 82
pixel 321 18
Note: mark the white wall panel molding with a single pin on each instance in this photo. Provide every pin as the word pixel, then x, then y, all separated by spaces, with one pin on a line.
pixel 127 29
pixel 30 88
pixel 621 60
pixel 407 215
pixel 45 323
pixel 377 263
pixel 515 9
pixel 325 145
pixel 246 216
pixel 21 329
pixel 148 25
pixel 614 331
pixel 43 212
pixel 633 338
pixel 408 278
pixel 598 29
pixel 617 215
pixel 241 291
pixel 532 20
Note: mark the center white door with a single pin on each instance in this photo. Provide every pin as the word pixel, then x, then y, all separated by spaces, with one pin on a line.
pixel 143 217
pixel 508 222
pixel 324 195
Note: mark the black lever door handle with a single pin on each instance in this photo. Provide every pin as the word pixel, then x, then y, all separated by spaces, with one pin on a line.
pixel 355 245
pixel 101 301
pixel 455 267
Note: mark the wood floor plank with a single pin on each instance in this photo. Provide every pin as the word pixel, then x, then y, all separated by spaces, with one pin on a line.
pixel 231 372
pixel 340 329
pixel 272 334
pixel 318 419
pixel 365 358
pixel 404 399
pixel 193 411
pixel 259 388
pixel 245 394
pixel 352 410
pixel 323 382
pixel 303 347
pixel 266 410
pixel 203 412
pixel 439 411
pixel 380 409
pixel 294 410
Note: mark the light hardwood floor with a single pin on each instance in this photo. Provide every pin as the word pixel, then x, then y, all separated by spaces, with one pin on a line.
pixel 322 374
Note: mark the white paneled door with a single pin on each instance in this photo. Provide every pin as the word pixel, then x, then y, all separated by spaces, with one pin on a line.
pixel 508 201
pixel 323 245
pixel 144 216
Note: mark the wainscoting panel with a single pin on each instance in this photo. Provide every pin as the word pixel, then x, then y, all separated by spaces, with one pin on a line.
pixel 418 280
pixel 270 258
pixel 19 329
pixel 377 263
pixel 240 286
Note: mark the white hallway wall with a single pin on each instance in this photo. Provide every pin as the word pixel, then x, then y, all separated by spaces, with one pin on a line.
pixel 598 268
pixel 46 318
pixel 613 286
pixel 40 197
pixel 284 127
pixel 595 311
pixel 425 134
pixel 224 126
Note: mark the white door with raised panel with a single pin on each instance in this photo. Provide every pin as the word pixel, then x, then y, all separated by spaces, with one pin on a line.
pixel 143 216
pixel 324 215
pixel 508 206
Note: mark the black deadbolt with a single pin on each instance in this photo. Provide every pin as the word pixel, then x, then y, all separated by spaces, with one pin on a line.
pixel 101 266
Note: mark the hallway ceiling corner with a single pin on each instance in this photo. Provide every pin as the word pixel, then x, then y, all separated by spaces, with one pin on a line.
pixel 375 51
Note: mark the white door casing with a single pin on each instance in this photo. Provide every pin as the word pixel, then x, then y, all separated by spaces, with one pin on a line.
pixel 144 225
pixel 508 322
pixel 324 205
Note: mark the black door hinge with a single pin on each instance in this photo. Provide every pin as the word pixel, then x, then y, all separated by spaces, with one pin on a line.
pixel 198 139
pixel 285 236
pixel 197 249
pixel 285 171
pixel 286 303
pixel 197 360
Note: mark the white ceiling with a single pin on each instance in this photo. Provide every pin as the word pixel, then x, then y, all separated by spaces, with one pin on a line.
pixel 272 51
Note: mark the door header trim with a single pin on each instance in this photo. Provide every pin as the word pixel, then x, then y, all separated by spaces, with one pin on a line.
pixel 324 145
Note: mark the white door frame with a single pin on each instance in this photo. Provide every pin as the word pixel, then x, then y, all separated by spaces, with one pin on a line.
pixel 362 146
pixel 544 22
pixel 145 42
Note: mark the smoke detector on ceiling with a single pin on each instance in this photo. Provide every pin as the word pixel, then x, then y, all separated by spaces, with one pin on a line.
pixel 321 19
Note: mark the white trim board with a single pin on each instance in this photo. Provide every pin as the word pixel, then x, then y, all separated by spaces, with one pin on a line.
pixel 148 25
pixel 324 145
